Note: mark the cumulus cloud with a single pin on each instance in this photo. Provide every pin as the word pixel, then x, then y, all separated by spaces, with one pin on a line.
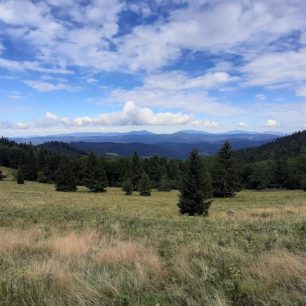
pixel 14 125
pixel 263 42
pixel 131 114
pixel 277 68
pixel 79 33
pixel 241 124
pixel 271 123
pixel 191 100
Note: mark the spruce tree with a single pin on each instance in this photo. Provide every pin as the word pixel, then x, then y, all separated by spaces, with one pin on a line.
pixel 207 184
pixel 95 178
pixel 127 186
pixel 280 174
pixel 136 170
pixel 144 186
pixel 194 200
pixel 225 180
pixel 20 179
pixel 164 184
pixel 65 178
pixel 29 167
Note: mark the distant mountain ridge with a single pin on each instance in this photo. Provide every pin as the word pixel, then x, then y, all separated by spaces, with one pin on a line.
pixel 146 137
pixel 165 149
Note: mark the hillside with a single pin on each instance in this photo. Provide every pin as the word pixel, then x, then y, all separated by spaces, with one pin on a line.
pixel 277 164
pixel 288 146
pixel 61 147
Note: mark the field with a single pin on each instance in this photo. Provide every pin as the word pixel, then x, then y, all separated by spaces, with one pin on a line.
pixel 110 249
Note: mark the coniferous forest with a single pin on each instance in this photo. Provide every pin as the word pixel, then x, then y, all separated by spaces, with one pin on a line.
pixel 278 164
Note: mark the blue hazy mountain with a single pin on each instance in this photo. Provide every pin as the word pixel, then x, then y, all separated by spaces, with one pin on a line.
pixel 145 137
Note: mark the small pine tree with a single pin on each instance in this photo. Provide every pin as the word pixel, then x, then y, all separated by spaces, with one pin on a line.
pixel 280 174
pixel 95 178
pixel 303 184
pixel 29 167
pixel 136 170
pixel 207 184
pixel 194 198
pixel 127 187
pixel 65 178
pixel 164 184
pixel 225 179
pixel 20 179
pixel 144 186
pixel 42 177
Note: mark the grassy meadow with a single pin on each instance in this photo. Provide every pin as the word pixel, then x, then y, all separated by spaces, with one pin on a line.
pixel 110 249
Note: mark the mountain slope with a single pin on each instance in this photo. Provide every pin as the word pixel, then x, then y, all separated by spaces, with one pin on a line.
pixel 288 146
pixel 61 147
pixel 187 136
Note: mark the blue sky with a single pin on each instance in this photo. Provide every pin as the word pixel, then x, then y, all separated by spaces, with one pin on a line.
pixel 111 65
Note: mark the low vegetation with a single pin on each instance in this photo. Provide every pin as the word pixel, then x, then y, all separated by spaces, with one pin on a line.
pixel 84 248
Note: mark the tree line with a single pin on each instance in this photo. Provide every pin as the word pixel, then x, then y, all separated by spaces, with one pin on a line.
pixel 279 164
pixel 194 178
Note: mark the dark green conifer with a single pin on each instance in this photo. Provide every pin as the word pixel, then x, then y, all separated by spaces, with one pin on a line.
pixel 225 180
pixel 280 174
pixel 20 179
pixel 65 178
pixel 164 184
pixel 136 170
pixel 29 167
pixel 95 178
pixel 127 186
pixel 144 186
pixel 194 199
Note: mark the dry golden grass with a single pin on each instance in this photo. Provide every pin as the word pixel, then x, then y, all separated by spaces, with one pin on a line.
pixel 279 266
pixel 108 249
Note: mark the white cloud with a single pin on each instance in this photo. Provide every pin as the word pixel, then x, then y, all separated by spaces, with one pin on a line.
pixel 131 114
pixel 301 91
pixel 271 123
pixel 33 66
pixel 84 33
pixel 178 80
pixel 241 124
pixel 277 68
pixel 14 125
pixel 196 100
pixel 45 86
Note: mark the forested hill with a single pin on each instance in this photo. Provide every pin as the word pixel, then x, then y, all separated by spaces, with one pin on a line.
pixel 285 147
pixel 277 164
pixel 61 147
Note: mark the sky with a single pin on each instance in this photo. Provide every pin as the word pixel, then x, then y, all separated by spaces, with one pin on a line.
pixel 160 65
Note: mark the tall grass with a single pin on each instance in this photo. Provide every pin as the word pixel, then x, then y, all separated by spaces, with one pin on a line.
pixel 109 249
